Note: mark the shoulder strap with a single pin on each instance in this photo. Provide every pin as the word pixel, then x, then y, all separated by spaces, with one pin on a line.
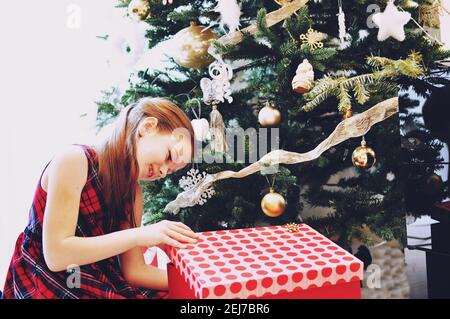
pixel 91 155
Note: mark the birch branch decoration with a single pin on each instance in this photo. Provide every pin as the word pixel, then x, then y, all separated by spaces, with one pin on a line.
pixel 272 18
pixel 355 126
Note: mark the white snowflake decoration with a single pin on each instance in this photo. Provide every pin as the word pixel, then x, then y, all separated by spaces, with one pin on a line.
pixel 191 180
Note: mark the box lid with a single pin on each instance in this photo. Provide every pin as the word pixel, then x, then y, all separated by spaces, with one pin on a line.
pixel 255 262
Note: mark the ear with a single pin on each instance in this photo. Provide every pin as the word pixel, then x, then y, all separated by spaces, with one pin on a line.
pixel 149 125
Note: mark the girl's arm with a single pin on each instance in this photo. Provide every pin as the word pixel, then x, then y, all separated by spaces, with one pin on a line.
pixel 132 262
pixel 67 174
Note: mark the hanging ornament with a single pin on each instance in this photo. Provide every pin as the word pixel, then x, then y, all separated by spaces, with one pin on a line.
pixel 409 4
pixel 347 114
pixel 201 129
pixel 139 9
pixel 230 11
pixel 273 204
pixel 190 46
pixel 429 15
pixel 218 141
pixel 363 156
pixel 304 77
pixel 313 39
pixel 434 185
pixel 269 116
pixel 429 18
pixel 200 125
pixel 192 178
pixel 391 22
pixel 341 23
pixel 216 90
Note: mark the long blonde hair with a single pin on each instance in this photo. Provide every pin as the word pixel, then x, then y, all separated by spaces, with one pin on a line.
pixel 118 166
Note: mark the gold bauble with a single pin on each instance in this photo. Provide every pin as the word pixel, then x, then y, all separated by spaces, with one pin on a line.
pixel 139 9
pixel 434 185
pixel 273 204
pixel 269 116
pixel 190 46
pixel 347 114
pixel 409 4
pixel 363 156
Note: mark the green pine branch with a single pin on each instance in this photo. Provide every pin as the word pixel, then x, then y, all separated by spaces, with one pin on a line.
pixel 344 98
pixel 386 72
pixel 263 30
pixel 298 23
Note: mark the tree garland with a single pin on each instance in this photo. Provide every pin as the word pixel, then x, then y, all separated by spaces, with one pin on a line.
pixel 355 126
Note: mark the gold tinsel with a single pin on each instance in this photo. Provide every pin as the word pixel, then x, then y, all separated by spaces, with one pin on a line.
pixel 429 14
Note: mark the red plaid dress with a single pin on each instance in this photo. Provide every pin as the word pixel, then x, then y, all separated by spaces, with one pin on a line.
pixel 28 275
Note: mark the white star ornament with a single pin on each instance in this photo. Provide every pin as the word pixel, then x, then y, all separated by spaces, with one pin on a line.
pixel 391 22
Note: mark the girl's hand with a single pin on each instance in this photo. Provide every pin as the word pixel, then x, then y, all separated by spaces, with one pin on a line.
pixel 175 234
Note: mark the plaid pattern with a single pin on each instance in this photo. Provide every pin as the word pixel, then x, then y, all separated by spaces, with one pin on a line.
pixel 29 276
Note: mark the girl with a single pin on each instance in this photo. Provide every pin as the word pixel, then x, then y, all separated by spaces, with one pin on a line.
pixel 86 213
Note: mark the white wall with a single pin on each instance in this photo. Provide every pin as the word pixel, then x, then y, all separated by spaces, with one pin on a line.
pixel 50 74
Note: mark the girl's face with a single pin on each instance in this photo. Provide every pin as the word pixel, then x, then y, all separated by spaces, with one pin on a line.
pixel 159 154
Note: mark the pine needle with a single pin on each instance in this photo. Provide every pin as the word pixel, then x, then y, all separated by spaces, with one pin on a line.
pixel 385 73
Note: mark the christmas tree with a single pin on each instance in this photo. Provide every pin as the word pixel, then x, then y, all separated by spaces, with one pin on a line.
pixel 353 71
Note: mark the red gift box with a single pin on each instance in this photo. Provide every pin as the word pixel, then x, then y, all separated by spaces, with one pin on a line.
pixel 263 262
